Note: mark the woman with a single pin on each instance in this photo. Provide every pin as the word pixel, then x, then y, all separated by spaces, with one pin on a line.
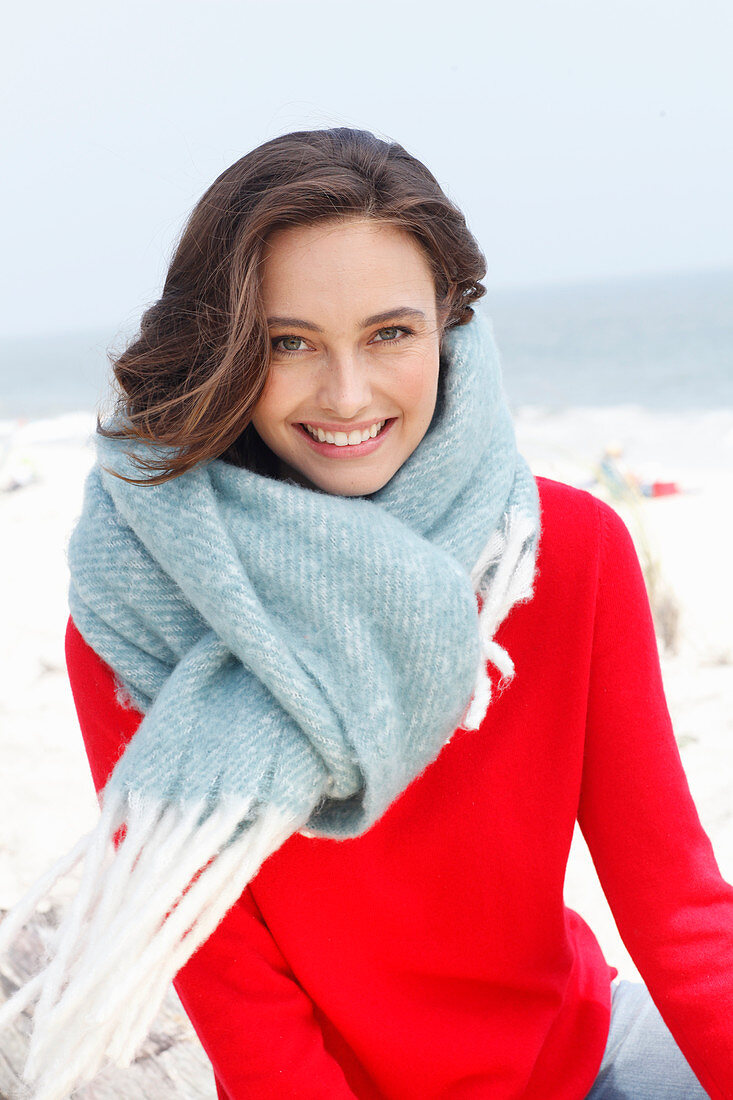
pixel 281 650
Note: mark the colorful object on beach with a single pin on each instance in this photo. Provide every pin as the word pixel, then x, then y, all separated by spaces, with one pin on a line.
pixel 299 658
pixel 621 482
pixel 659 489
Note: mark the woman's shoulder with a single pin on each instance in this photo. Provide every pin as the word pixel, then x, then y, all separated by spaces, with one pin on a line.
pixel 566 502
pixel 574 510
pixel 577 529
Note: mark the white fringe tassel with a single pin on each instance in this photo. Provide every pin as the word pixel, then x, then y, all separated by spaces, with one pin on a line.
pixel 140 913
pixel 511 552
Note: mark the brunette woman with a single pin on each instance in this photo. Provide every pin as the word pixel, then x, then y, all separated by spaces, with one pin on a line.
pixel 347 675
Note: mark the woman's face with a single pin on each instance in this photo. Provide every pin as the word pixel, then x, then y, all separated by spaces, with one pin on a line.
pixel 355 338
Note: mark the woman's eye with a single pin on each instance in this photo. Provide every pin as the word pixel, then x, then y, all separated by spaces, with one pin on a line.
pixel 288 343
pixel 387 335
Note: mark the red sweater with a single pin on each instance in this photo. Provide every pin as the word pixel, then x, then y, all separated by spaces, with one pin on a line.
pixel 433 956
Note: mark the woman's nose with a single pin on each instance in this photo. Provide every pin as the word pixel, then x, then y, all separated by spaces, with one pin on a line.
pixel 345 386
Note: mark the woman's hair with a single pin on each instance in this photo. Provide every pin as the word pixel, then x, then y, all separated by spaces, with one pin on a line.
pixel 191 377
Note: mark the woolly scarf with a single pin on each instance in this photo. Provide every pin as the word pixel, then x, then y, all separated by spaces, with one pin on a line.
pixel 299 658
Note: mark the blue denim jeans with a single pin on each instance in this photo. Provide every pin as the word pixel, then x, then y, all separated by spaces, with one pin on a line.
pixel 642 1060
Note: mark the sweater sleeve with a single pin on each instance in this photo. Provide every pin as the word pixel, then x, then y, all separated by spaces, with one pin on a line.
pixel 655 862
pixel 256 1024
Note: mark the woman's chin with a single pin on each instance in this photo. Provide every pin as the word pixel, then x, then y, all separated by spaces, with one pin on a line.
pixel 344 483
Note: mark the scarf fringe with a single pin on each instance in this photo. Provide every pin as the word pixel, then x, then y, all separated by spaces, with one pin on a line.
pixel 140 912
pixel 513 553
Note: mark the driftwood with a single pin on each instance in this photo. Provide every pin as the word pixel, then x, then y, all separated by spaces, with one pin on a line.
pixel 170 1064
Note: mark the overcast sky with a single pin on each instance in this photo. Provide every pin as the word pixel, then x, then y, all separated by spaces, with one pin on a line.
pixel 583 139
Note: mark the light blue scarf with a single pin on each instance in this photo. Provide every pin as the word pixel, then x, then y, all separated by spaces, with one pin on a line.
pixel 299 659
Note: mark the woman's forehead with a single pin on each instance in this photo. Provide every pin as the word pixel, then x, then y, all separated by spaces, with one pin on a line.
pixel 355 268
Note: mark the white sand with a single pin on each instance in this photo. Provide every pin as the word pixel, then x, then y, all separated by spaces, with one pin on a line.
pixel 47 795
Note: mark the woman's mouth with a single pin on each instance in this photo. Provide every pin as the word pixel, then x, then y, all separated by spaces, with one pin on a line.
pixel 341 447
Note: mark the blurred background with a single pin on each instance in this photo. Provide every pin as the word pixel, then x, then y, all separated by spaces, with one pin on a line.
pixel 589 147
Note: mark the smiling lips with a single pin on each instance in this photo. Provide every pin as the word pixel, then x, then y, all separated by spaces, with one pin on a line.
pixel 344 439
pixel 342 444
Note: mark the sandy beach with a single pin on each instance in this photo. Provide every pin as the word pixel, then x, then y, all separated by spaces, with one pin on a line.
pixel 47 794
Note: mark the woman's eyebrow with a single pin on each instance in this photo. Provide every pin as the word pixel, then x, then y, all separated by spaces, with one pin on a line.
pixel 293 322
pixel 388 315
pixel 392 315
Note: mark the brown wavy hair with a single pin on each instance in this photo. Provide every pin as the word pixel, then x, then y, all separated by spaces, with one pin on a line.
pixel 192 375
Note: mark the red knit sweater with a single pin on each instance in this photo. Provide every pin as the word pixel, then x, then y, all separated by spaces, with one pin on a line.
pixel 433 956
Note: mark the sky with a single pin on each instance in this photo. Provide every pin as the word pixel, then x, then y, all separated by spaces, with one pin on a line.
pixel 583 140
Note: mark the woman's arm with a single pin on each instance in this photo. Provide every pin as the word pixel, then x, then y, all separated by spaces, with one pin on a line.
pixel 655 862
pixel 256 1024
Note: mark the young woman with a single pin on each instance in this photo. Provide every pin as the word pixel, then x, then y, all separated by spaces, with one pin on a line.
pixel 307 550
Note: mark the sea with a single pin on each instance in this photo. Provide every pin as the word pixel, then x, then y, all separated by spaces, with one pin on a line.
pixel 663 343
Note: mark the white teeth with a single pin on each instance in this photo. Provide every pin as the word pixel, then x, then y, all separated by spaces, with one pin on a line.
pixel 341 439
